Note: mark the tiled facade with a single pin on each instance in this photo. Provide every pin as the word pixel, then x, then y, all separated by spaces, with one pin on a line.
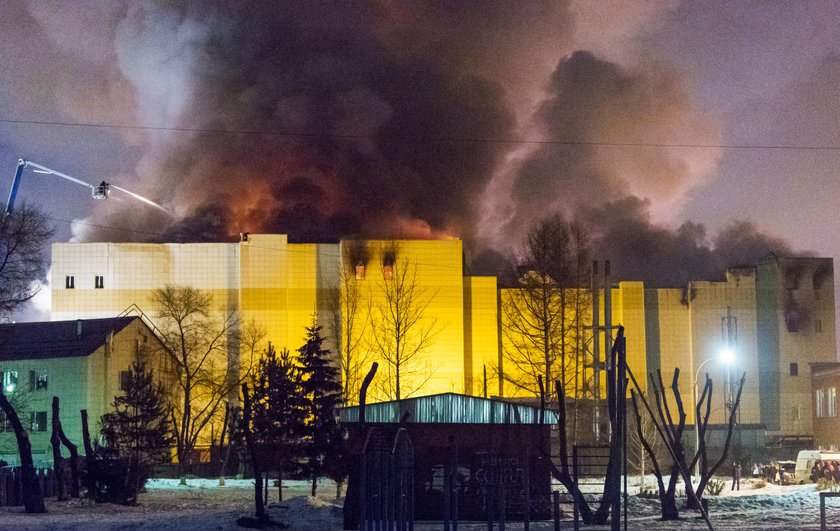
pixel 778 317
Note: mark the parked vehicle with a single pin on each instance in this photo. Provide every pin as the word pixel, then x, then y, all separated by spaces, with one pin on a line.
pixel 807 458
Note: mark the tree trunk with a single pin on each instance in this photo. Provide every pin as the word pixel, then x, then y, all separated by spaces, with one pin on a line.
pixel 255 462
pixel 74 453
pixel 58 462
pixel 90 458
pixel 33 498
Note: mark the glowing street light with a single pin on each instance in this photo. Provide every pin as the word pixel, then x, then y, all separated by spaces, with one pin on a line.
pixel 727 357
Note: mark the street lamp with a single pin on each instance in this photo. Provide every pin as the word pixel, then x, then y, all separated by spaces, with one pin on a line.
pixel 727 356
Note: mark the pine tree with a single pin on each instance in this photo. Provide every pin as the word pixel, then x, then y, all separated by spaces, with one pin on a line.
pixel 279 410
pixel 322 390
pixel 137 435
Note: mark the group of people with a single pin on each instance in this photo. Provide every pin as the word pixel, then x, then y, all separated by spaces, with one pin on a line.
pixel 773 473
pixel 828 470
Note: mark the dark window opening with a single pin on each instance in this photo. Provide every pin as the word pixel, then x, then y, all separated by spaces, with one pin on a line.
pixel 794 369
pixel 99 282
pixel 69 282
pixel 38 421
pixel 125 379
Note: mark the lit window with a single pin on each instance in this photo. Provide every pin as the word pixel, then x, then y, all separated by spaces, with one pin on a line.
pixel 388 271
pixel 99 282
pixel 820 401
pixel 794 369
pixel 360 271
pixel 832 401
pixel 38 421
pixel 69 282
pixel 10 381
pixel 38 380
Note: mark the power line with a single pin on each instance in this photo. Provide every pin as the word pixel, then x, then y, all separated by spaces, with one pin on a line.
pixel 462 140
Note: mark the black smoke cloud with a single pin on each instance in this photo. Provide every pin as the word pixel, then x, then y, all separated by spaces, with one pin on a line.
pixel 325 120
pixel 360 118
pixel 610 133
pixel 622 232
pixel 639 249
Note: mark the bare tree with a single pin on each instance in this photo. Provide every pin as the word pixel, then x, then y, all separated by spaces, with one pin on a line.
pixel 23 236
pixel 349 312
pixel 198 345
pixel 544 317
pixel 402 329
pixel 641 430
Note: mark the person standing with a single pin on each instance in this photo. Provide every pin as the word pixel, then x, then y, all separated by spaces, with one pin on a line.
pixel 736 476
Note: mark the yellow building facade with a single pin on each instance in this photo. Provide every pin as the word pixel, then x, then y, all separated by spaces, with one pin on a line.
pixel 778 317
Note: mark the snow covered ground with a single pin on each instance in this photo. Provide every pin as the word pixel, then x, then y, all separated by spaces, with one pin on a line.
pixel 204 505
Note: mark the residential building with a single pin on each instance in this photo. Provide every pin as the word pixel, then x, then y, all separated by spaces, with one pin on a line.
pixel 83 362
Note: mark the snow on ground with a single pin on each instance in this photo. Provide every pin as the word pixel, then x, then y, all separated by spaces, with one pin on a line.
pixel 204 505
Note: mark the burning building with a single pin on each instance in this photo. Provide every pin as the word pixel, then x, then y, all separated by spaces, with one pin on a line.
pixel 778 317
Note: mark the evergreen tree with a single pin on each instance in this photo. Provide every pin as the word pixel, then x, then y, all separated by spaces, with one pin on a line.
pixel 137 436
pixel 322 389
pixel 279 411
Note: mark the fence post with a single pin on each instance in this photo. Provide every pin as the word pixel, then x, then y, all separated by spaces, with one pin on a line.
pixel 555 495
pixel 526 480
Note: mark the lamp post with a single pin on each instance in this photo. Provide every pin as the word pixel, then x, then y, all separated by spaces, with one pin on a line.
pixel 727 356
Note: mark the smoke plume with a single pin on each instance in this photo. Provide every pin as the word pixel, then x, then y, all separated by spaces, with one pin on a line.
pixel 331 120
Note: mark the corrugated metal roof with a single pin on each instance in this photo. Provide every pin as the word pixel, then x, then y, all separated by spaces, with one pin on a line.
pixel 449 408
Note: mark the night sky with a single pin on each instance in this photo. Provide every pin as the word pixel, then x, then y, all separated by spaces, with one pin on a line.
pixel 687 135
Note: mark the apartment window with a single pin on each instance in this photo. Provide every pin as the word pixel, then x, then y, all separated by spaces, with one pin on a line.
pixel 69 282
pixel 38 380
pixel 818 325
pixel 38 421
pixel 388 271
pixel 820 402
pixel 10 381
pixel 125 380
pixel 99 282
pixel 796 412
pixel 794 369
pixel 360 271
pixel 832 401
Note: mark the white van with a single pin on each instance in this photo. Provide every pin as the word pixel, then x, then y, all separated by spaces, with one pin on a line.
pixel 806 459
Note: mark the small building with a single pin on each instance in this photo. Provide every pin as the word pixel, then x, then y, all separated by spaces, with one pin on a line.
pixel 83 362
pixel 486 441
pixel 825 380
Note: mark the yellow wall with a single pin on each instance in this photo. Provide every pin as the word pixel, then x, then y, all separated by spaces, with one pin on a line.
pixel 439 279
pixel 481 335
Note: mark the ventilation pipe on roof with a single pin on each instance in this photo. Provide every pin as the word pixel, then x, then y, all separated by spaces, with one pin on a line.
pixel 78 327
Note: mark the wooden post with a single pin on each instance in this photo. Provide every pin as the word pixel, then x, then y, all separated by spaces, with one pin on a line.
pixel 526 479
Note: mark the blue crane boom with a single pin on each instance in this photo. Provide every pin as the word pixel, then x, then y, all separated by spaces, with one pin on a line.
pixel 100 191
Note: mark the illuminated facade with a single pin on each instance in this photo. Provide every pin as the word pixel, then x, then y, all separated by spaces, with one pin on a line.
pixel 778 317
